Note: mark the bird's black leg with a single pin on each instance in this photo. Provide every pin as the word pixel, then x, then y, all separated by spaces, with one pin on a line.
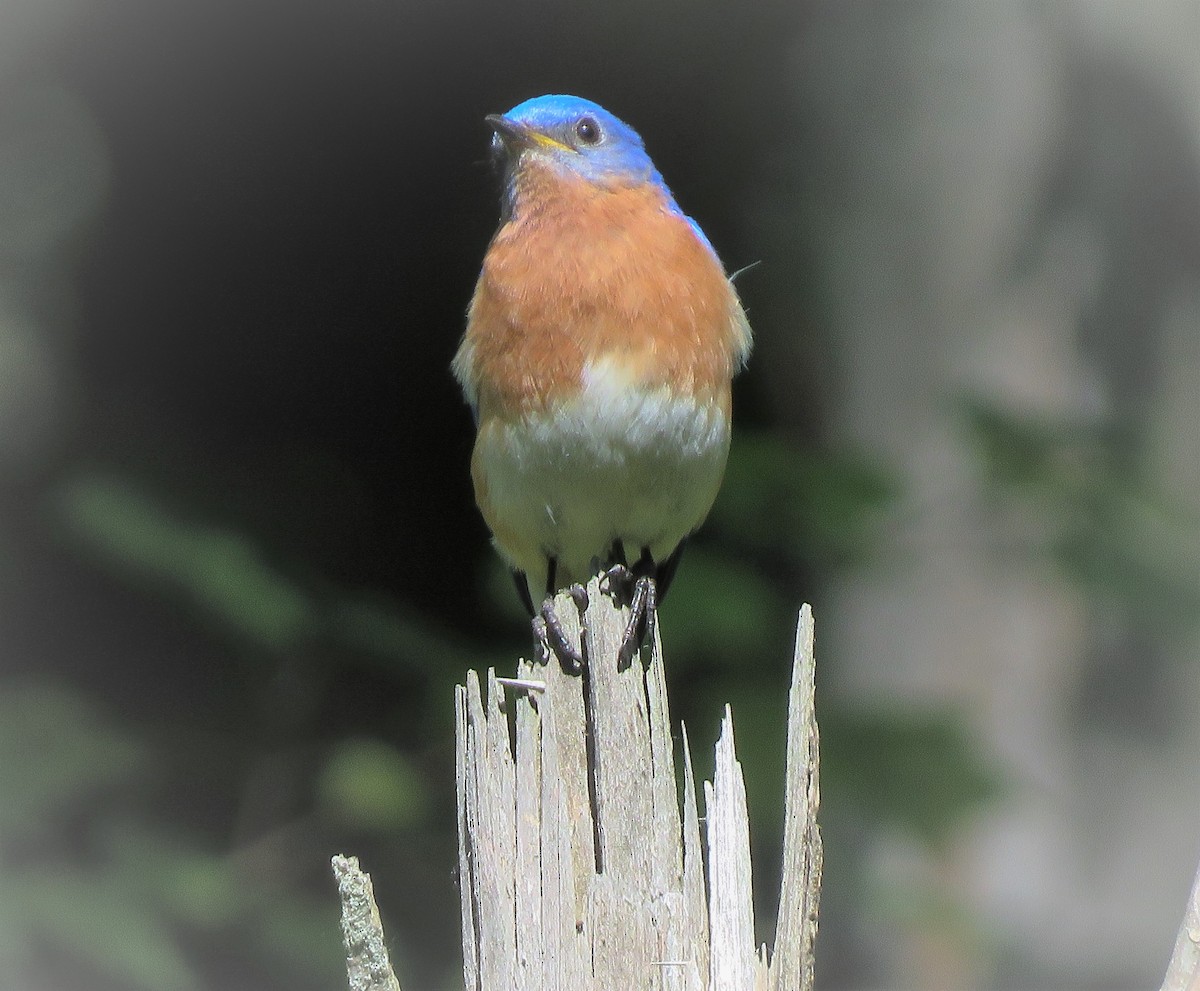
pixel 643 618
pixel 665 572
pixel 523 591
pixel 639 589
pixel 549 637
pixel 576 591
pixel 548 633
pixel 616 554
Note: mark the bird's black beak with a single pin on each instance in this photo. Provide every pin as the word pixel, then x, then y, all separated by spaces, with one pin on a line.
pixel 512 135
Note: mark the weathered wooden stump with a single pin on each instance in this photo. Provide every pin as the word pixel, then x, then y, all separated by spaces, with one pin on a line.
pixel 579 868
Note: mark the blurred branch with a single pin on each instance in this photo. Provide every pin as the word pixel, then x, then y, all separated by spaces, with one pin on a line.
pixel 367 965
pixel 1183 972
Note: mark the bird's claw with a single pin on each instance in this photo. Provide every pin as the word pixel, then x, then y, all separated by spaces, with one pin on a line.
pixel 579 596
pixel 617 581
pixel 541 640
pixel 641 593
pixel 549 637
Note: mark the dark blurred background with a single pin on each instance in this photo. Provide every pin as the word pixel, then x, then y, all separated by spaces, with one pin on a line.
pixel 240 565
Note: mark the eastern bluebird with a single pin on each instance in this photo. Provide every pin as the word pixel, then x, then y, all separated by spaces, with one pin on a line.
pixel 599 349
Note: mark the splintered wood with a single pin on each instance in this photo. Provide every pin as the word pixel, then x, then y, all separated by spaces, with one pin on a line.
pixel 367 965
pixel 577 865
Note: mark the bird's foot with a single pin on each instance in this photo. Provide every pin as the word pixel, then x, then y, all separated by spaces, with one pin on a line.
pixel 640 592
pixel 549 637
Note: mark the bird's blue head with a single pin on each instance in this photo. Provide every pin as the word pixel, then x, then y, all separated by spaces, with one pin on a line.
pixel 576 135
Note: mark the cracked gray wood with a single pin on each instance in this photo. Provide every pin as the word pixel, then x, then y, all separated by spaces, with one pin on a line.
pixel 578 866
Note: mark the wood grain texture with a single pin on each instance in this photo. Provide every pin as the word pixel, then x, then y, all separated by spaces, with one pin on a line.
pixel 579 867
pixel 733 965
pixel 800 884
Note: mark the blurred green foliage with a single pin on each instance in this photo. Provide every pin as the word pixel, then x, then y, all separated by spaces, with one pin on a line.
pixel 372 785
pixel 1103 517
pixel 909 771
pixel 218 570
pixel 786 513
pixel 149 894
pixel 226 581
pixel 824 510
pixel 121 904
pixel 55 733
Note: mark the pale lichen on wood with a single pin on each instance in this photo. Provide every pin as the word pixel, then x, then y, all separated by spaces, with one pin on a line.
pixel 368 967
pixel 578 867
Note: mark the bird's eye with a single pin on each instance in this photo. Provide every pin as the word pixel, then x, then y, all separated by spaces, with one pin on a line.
pixel 588 131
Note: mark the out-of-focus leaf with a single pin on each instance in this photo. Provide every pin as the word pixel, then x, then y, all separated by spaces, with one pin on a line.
pixel 228 581
pixel 55 748
pixel 297 934
pixel 96 916
pixel 369 784
pixel 124 914
pixel 55 751
pixel 718 605
pixel 183 882
pixel 1108 527
pixel 221 572
pixel 920 772
pixel 195 890
pixel 1024 451
pixel 822 509
pixel 390 631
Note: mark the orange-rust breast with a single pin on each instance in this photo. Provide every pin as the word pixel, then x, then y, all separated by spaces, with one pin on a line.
pixel 581 272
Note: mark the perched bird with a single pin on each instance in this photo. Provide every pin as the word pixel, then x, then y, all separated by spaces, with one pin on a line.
pixel 599 349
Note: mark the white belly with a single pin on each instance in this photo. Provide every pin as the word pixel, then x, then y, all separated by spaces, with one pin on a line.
pixel 616 462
